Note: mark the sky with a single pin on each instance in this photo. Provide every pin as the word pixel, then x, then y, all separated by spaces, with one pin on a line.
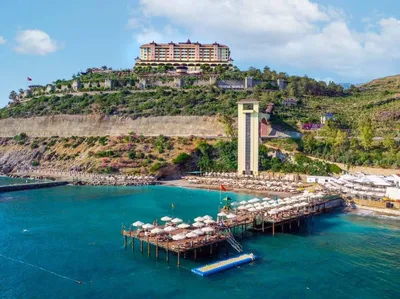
pixel 348 41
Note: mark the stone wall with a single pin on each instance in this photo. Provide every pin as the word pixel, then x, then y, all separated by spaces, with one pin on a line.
pixel 91 125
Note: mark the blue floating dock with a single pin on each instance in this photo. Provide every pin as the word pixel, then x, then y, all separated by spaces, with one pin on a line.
pixel 224 264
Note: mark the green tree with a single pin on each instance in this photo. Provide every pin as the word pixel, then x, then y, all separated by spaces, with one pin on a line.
pixel 228 123
pixel 366 131
pixel 181 159
pixel 389 142
pixel 341 140
pixel 13 96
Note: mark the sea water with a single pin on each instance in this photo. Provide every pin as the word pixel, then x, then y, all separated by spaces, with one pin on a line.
pixel 52 238
pixel 8 181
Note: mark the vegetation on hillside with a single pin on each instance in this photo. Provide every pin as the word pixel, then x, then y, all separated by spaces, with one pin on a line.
pixel 379 100
pixel 370 110
pixel 136 154
pixel 336 145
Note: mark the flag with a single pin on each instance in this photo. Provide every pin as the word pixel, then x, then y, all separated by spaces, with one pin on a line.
pixel 172 206
pixel 29 79
pixel 223 188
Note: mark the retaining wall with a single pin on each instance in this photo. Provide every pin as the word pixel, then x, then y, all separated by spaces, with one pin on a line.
pixel 94 125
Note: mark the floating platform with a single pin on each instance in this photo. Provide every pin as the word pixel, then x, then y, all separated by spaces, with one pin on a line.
pixel 224 264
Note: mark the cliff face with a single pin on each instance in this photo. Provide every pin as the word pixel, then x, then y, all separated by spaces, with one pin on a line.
pixel 17 157
pixel 94 125
pixel 124 154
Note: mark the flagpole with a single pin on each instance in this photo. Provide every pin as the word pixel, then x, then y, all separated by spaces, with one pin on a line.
pixel 220 195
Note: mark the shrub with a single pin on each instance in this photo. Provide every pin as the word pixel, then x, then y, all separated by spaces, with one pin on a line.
pixel 103 140
pixel 21 138
pixel 157 166
pixel 132 155
pixel 34 145
pixel 333 168
pixel 108 154
pixel 181 159
pixel 35 163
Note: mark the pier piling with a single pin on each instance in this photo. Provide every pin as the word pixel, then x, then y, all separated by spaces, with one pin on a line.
pixel 167 252
pixel 157 250
pixel 148 246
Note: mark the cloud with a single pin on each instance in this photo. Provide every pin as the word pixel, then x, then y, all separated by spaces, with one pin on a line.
pixel 300 34
pixel 149 34
pixel 2 40
pixel 35 42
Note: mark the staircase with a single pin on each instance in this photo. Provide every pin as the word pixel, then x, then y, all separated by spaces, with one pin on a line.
pixel 235 244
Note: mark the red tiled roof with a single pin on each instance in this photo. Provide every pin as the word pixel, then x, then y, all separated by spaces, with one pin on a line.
pixel 184 43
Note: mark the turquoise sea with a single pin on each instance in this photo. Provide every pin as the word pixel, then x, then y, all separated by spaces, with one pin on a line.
pixel 51 237
pixel 8 181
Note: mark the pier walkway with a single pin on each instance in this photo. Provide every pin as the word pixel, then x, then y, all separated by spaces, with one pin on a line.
pixel 30 186
pixel 188 240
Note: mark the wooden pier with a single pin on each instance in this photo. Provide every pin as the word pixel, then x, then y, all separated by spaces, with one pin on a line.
pixel 225 231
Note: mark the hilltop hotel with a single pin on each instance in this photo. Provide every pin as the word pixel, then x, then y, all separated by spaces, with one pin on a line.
pixel 192 55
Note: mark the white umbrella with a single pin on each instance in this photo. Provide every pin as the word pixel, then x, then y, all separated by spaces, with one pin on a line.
pixel 243 202
pixel 231 216
pixel 242 208
pixel 198 219
pixel 348 177
pixel 252 210
pixel 273 212
pixel 254 200
pixel 266 199
pixel 191 235
pixel 207 229
pixel 209 221
pixel 176 220
pixel 207 217
pixel 198 224
pixel 166 219
pixel 363 180
pixel 249 206
pixel 222 214
pixel 234 204
pixel 179 237
pixel 183 225
pixel 138 223
pixel 148 226
pixel 157 230
pixel 169 229
pixel 198 232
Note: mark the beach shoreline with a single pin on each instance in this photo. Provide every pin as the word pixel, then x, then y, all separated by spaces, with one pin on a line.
pixel 374 212
pixel 115 180
pixel 185 184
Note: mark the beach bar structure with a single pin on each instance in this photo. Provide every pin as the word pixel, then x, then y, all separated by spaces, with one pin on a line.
pixel 206 236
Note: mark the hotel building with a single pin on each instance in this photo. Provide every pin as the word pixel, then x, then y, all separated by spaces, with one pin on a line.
pixel 189 54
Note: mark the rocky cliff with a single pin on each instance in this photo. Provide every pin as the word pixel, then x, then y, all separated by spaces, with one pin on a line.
pixel 124 154
pixel 94 125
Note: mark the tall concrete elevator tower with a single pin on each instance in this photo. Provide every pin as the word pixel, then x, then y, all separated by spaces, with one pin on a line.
pixel 248 136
